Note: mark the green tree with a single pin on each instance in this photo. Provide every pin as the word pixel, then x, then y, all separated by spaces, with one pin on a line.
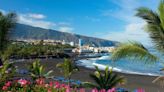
pixel 104 79
pixel 155 29
pixel 38 71
pixel 67 68
pixel 7 22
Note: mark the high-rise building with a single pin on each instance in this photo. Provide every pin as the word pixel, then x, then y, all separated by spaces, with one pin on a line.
pixel 80 42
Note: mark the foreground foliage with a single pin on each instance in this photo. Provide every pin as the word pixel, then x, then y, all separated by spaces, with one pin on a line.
pixel 105 80
pixel 7 71
pixel 155 29
pixel 7 22
pixel 23 85
pixel 38 71
pixel 133 51
pixel 67 68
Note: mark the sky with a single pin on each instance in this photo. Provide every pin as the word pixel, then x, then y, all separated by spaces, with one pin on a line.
pixel 107 19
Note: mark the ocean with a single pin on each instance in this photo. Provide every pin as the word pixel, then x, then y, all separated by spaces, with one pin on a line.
pixel 126 66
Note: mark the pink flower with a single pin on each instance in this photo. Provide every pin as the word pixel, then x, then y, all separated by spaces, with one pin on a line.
pixel 112 90
pixel 4 88
pixel 8 84
pixel 40 81
pixel 57 85
pixel 82 90
pixel 94 90
pixel 51 84
pixel 46 85
pixel 102 90
pixel 23 82
pixel 68 89
pixel 49 90
pixel 62 85
pixel 140 90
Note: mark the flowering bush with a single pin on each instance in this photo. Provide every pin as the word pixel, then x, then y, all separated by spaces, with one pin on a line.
pixel 23 85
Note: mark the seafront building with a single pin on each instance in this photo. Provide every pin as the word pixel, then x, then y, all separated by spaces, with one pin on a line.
pixel 91 49
pixel 80 47
pixel 87 49
pixel 45 42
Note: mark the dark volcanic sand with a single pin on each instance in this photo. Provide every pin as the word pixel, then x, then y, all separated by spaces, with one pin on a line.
pixel 133 81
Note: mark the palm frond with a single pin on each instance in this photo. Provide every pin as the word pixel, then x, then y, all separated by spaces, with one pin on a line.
pixel 67 67
pixel 48 73
pixel 37 70
pixel 155 24
pixel 90 85
pixel 159 80
pixel 134 51
pixel 96 79
pixel 120 80
pixel 148 15
pixel 105 80
pixel 161 13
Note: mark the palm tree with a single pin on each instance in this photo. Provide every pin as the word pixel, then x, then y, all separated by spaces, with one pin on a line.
pixel 67 68
pixel 38 71
pixel 133 50
pixel 104 80
pixel 7 22
pixel 155 29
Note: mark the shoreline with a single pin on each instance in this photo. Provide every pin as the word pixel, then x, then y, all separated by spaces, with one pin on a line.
pixel 119 71
pixel 133 81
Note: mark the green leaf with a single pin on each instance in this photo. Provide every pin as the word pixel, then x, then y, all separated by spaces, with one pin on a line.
pixel 134 51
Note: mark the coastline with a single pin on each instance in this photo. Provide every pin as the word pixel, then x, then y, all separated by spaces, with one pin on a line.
pixel 133 81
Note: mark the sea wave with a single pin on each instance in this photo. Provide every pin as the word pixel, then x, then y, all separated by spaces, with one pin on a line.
pixel 90 63
pixel 102 67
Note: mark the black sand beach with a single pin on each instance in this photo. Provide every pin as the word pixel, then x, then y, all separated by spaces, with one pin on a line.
pixel 133 81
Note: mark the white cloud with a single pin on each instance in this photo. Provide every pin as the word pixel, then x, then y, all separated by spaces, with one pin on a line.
pixel 135 27
pixel 133 30
pixel 66 29
pixel 36 16
pixel 26 19
pixel 37 20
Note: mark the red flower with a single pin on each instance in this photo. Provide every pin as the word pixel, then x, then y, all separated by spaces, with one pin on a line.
pixel 49 90
pixel 63 85
pixel 57 85
pixel 82 90
pixel 23 82
pixel 40 81
pixel 8 84
pixel 4 88
pixel 94 90
pixel 51 84
pixel 102 90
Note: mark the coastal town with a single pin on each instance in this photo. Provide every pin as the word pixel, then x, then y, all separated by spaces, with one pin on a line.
pixel 80 47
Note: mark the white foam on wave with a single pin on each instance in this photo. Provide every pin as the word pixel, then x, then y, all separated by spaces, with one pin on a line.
pixel 104 57
pixel 90 63
pixel 102 67
pixel 86 63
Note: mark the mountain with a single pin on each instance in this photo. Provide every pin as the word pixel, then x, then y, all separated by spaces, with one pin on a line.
pixel 22 31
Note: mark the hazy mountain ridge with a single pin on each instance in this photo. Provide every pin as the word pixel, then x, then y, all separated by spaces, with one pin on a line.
pixel 28 32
